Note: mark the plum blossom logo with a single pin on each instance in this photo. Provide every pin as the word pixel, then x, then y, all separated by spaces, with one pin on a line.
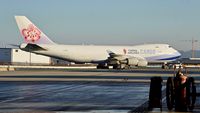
pixel 31 33
pixel 125 51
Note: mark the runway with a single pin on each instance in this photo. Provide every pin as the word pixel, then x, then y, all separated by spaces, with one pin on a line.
pixel 78 90
pixel 134 75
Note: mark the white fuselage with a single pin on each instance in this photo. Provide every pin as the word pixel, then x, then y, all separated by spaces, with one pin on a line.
pixel 97 54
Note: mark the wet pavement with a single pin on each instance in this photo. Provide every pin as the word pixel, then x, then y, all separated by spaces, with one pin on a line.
pixel 71 96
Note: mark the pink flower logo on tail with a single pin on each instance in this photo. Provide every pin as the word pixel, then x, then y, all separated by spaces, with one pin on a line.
pixel 31 33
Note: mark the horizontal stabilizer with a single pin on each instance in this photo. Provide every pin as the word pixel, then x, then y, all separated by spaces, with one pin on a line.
pixel 14 45
pixel 31 47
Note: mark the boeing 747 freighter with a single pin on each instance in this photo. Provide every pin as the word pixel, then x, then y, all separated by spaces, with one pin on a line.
pixel 36 41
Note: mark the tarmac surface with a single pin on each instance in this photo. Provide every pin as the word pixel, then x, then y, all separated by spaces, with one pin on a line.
pixel 81 90
pixel 71 96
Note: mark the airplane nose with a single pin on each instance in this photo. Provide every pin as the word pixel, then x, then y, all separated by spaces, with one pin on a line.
pixel 178 54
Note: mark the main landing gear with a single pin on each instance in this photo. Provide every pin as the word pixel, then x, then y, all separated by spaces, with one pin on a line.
pixel 116 66
pixel 102 66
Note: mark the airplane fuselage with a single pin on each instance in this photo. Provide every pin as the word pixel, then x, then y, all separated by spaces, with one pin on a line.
pixel 117 56
pixel 96 54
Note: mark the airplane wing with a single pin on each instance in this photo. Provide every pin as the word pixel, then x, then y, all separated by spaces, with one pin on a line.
pixel 114 55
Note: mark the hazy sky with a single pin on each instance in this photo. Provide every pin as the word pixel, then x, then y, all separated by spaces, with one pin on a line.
pixel 106 21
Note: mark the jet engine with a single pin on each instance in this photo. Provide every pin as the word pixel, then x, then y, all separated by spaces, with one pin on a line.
pixel 136 62
pixel 132 61
pixel 142 63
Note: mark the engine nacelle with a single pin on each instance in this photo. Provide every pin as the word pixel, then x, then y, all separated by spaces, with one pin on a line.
pixel 142 63
pixel 128 61
pixel 132 61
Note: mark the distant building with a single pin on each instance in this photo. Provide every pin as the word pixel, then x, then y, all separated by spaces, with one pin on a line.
pixel 17 56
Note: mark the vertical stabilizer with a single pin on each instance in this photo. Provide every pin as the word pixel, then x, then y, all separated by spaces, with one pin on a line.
pixel 30 32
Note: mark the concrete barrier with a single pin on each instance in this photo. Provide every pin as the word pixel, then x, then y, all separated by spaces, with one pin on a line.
pixel 7 68
pixel 3 69
pixel 13 67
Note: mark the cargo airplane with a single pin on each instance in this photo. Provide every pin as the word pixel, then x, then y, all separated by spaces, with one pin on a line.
pixel 119 57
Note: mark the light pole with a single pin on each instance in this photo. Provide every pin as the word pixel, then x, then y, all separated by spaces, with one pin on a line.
pixel 193 45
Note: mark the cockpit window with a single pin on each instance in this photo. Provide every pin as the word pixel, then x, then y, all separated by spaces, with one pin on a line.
pixel 170 46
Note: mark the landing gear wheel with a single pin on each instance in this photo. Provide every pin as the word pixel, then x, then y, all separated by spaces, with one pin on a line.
pixel 102 66
pixel 117 66
pixel 170 93
pixel 191 93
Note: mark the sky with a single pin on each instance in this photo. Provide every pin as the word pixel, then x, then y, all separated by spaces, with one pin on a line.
pixel 105 22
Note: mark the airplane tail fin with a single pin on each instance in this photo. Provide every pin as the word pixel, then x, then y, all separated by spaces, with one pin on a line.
pixel 30 32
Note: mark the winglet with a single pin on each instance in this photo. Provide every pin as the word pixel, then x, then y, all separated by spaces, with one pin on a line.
pixel 110 52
